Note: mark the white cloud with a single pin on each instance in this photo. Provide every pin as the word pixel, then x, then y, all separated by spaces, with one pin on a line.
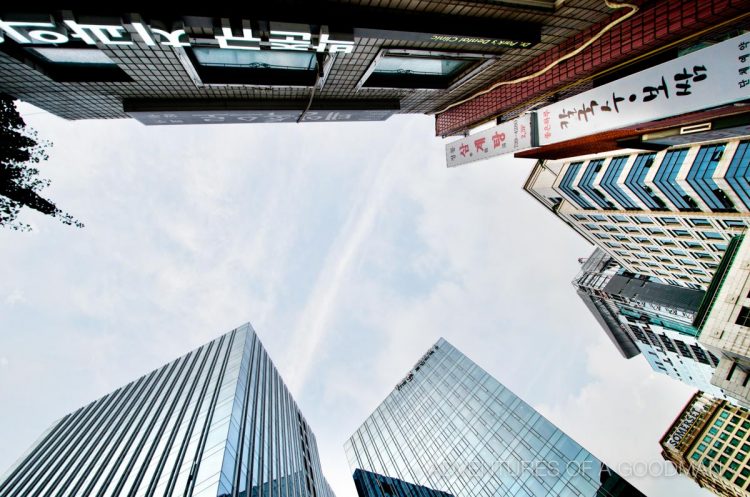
pixel 350 255
pixel 14 297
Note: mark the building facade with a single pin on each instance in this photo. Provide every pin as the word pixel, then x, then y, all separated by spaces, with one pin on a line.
pixel 371 484
pixel 280 61
pixel 218 421
pixel 642 316
pixel 667 214
pixel 450 426
pixel 708 442
pixel 724 320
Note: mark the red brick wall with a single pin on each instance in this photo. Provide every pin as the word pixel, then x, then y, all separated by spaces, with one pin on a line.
pixel 657 23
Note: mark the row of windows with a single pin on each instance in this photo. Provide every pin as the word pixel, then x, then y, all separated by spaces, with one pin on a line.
pixel 392 68
pixel 699 177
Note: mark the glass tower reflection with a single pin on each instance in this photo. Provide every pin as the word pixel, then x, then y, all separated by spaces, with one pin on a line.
pixel 450 426
pixel 218 421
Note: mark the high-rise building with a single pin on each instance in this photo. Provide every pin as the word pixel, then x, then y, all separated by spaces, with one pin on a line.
pixel 641 315
pixel 218 421
pixel 371 484
pixel 450 426
pixel 724 320
pixel 709 443
pixel 667 214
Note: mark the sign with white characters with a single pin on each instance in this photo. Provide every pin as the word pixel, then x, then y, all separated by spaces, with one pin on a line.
pixel 713 76
pixel 130 34
pixel 505 138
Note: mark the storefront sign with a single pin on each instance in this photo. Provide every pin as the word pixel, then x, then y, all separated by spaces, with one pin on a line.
pixel 713 76
pixel 128 34
pixel 505 138
pixel 151 118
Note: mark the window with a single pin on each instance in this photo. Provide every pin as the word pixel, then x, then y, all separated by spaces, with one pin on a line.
pixel 699 222
pixel 669 221
pixel 90 56
pixel 734 223
pixel 743 319
pixel 417 69
pixel 643 220
pixel 712 235
pixel 222 66
pixel 680 232
pixel 70 64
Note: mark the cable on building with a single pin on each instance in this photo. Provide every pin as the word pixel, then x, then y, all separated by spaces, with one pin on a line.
pixel 611 5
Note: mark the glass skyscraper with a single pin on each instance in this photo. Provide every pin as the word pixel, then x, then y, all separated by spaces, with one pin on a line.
pixel 449 425
pixel 371 484
pixel 218 421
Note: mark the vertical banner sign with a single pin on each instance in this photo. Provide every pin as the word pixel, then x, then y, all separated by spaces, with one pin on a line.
pixel 505 138
pixel 713 76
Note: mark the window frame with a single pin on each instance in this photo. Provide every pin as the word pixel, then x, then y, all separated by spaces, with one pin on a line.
pixel 480 61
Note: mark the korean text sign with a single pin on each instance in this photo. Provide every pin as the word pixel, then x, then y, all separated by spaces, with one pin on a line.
pixel 713 76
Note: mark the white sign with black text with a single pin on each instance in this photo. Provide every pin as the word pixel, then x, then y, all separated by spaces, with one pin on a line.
pixel 713 76
pixel 505 138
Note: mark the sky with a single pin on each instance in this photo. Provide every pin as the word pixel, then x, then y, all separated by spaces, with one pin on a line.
pixel 351 249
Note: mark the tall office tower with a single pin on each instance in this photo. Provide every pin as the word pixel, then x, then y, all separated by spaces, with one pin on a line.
pixel 642 315
pixel 667 214
pixel 371 484
pixel 218 421
pixel 450 426
pixel 709 443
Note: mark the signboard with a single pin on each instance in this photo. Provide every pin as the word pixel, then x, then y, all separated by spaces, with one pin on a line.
pixel 505 138
pixel 687 419
pixel 416 367
pixel 124 34
pixel 713 76
pixel 176 117
pixel 463 41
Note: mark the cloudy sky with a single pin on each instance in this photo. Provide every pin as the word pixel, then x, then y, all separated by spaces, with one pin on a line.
pixel 351 248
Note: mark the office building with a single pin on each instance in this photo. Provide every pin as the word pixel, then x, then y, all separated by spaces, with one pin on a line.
pixel 450 426
pixel 371 484
pixel 643 316
pixel 336 60
pixel 667 214
pixel 709 443
pixel 218 421
pixel 724 320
